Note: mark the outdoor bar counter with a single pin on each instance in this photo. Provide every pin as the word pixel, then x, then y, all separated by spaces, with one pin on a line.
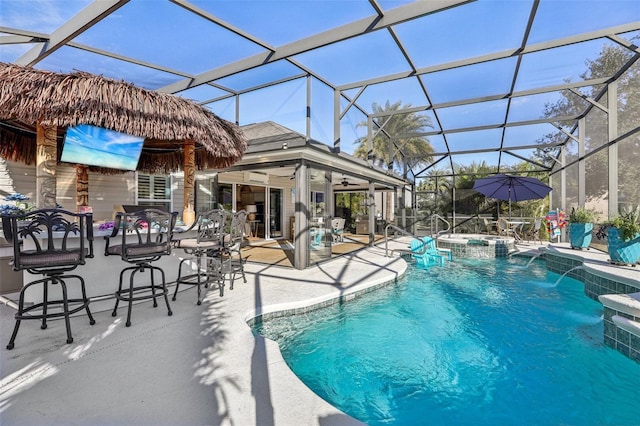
pixel 102 273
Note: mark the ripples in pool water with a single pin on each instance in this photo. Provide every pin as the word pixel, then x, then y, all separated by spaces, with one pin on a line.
pixel 475 342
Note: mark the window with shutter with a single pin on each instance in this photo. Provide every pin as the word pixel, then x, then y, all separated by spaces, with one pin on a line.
pixel 154 191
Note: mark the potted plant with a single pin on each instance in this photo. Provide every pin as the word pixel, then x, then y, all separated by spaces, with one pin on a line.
pixel 623 237
pixel 581 227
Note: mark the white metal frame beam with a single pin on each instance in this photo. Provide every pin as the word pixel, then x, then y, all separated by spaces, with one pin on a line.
pixel 88 17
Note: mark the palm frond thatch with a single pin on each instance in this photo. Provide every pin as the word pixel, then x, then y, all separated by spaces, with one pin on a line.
pixel 29 96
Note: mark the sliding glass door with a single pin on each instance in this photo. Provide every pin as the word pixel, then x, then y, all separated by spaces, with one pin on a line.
pixel 320 237
pixel 275 218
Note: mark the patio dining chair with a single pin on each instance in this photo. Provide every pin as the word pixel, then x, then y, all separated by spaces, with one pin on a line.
pixel 489 226
pixel 503 227
pixel 337 227
pixel 145 237
pixel 51 243
pixel 201 267
pixel 533 233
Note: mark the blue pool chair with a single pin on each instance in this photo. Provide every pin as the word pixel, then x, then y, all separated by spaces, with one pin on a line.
pixel 433 249
pixel 423 254
pixel 441 251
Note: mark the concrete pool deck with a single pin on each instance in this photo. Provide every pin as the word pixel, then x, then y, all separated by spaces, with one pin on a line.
pixel 201 366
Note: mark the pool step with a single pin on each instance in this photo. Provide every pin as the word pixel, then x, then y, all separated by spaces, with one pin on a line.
pixel 622 323
pixel 625 303
pixel 626 324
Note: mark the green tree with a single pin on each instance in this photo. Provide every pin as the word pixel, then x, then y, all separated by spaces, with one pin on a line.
pixel 611 59
pixel 348 205
pixel 394 123
pixel 395 152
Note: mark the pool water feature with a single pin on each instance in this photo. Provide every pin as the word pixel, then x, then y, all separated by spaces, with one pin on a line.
pixel 480 246
pixel 480 342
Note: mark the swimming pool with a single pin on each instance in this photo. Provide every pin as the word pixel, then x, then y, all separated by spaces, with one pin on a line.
pixel 474 342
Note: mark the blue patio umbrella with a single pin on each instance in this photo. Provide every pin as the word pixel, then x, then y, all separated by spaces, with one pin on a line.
pixel 508 188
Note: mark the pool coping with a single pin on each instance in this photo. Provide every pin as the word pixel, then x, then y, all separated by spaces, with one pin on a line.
pixel 339 295
pixel 596 263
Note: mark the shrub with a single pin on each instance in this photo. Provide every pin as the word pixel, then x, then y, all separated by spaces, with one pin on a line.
pixel 582 215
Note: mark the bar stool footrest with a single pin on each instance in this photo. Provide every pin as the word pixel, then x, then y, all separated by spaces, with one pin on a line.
pixel 83 305
pixel 127 295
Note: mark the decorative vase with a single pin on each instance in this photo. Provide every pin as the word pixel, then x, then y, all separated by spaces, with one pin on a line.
pixel 580 235
pixel 624 252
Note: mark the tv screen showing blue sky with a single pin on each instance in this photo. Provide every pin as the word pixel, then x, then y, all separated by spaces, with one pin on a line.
pixel 97 146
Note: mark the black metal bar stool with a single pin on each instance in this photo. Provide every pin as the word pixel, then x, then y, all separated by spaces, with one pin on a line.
pixel 203 250
pixel 232 249
pixel 145 238
pixel 50 242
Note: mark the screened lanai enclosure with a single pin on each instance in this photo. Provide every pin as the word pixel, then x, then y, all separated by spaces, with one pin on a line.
pixel 434 93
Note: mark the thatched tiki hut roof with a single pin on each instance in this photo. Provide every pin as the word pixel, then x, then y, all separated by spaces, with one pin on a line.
pixel 29 96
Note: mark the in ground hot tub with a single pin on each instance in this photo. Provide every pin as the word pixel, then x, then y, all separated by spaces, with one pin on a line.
pixel 477 245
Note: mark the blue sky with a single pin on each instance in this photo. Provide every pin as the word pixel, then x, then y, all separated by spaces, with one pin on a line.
pixel 166 35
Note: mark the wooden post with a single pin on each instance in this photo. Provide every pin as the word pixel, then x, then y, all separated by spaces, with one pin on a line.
pixel 82 186
pixel 46 159
pixel 189 214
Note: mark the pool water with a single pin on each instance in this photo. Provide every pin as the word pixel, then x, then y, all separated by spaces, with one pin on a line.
pixel 482 342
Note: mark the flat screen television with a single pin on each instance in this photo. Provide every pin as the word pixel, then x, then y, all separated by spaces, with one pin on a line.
pixel 97 146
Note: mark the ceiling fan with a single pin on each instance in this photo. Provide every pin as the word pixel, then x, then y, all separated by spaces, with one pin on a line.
pixel 346 183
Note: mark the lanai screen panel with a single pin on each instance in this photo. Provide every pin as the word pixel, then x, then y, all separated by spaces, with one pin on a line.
pixel 472 67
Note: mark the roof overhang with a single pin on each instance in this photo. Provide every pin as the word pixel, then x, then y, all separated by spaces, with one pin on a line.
pixel 317 155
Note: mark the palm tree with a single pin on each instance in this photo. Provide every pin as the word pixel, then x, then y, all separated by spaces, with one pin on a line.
pixel 414 151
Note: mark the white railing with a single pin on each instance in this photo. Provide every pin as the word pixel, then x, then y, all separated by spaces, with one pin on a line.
pixel 386 238
pixel 435 220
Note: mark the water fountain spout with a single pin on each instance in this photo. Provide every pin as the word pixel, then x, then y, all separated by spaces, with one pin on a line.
pixel 563 275
pixel 534 257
